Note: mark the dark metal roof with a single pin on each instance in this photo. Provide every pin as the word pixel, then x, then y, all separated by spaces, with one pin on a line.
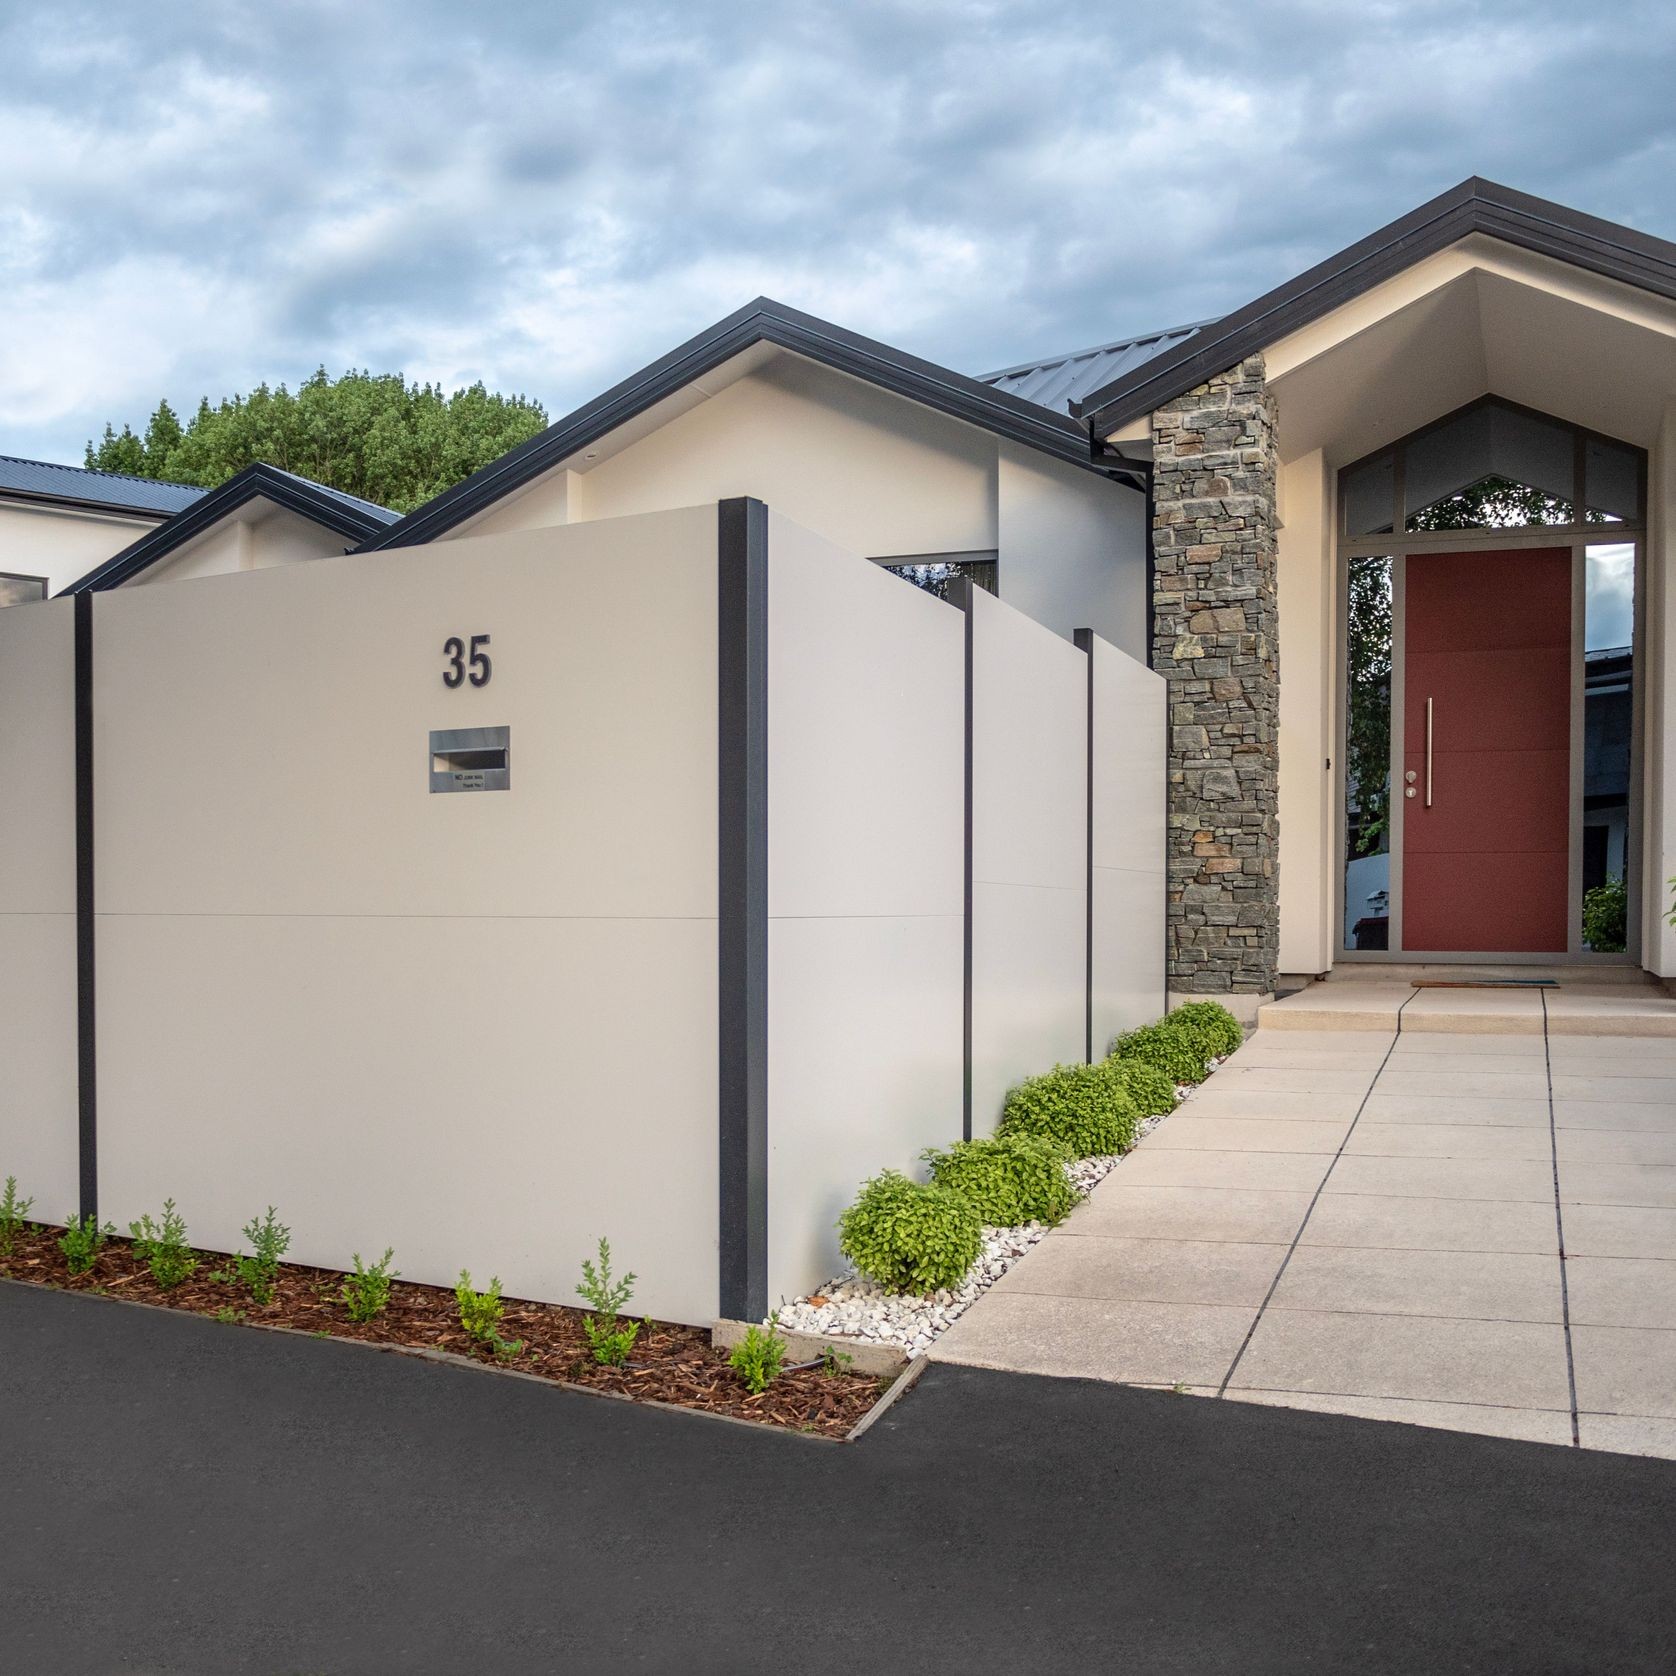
pixel 1064 380
pixel 763 321
pixel 1475 206
pixel 109 490
pixel 346 515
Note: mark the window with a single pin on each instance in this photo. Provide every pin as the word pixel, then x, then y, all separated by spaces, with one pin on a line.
pixel 935 571
pixel 20 590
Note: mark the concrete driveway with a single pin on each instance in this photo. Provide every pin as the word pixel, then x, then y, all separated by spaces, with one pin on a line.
pixel 1455 1228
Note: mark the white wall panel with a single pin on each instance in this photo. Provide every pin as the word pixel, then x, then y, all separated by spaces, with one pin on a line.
pixel 38 1122
pixel 1029 853
pixel 1129 843
pixel 866 802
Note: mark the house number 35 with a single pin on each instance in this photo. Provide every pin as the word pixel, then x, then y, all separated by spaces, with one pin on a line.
pixel 459 660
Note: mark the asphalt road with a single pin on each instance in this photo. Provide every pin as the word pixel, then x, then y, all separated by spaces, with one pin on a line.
pixel 181 1496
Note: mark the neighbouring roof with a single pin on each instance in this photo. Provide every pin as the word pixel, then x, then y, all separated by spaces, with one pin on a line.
pixel 998 411
pixel 346 515
pixel 108 490
pixel 1475 206
pixel 1061 381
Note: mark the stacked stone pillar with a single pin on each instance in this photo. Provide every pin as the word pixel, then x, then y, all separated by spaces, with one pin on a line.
pixel 1215 627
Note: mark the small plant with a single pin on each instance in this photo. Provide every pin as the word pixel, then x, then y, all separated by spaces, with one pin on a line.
pixel 14 1216
pixel 1008 1179
pixel 228 1316
pixel 605 1295
pixel 759 1356
pixel 1169 1047
pixel 162 1246
pixel 269 1241
pixel 367 1290
pixel 835 1361
pixel 81 1240
pixel 1152 1090
pixel 1606 916
pixel 1214 1030
pixel 480 1315
pixel 1085 1108
pixel 909 1237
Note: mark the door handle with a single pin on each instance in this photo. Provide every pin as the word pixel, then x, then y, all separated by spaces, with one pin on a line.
pixel 1428 753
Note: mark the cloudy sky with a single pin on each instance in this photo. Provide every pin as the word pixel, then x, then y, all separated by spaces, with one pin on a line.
pixel 197 197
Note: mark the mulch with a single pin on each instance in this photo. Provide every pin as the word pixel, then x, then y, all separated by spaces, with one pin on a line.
pixel 669 1363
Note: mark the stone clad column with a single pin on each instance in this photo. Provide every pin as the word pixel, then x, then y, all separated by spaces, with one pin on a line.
pixel 1215 624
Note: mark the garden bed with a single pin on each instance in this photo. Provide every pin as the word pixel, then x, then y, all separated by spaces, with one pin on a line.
pixel 669 1364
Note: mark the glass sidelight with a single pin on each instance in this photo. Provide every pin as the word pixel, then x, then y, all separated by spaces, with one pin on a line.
pixel 1608 741
pixel 1367 762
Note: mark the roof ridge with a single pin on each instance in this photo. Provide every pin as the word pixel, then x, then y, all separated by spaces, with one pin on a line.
pixel 1045 362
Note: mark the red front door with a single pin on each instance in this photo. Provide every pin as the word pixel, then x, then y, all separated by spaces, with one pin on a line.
pixel 1486 862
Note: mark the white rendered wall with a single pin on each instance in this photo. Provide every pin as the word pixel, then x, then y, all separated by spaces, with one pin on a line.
pixel 38 1130
pixel 253 537
pixel 1073 548
pixel 866 811
pixel 1128 837
pixel 480 1028
pixel 1309 638
pixel 1658 938
pixel 62 544
pixel 1029 853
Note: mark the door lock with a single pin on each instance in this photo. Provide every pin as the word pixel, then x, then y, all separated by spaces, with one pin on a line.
pixel 1410 792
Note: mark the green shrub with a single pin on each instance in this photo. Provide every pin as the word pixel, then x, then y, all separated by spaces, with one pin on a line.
pixel 81 1240
pixel 759 1356
pixel 269 1241
pixel 611 1343
pixel 1084 1108
pixel 910 1237
pixel 14 1216
pixel 1008 1179
pixel 1214 1030
pixel 480 1315
pixel 1167 1046
pixel 1152 1090
pixel 1606 916
pixel 162 1246
pixel 367 1290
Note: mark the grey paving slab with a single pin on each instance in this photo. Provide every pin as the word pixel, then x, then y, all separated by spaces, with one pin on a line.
pixel 1146 1211
pixel 1280 1055
pixel 1450 1140
pixel 1615 1114
pixel 1622 1291
pixel 1625 1370
pixel 1619 1231
pixel 1249 1134
pixel 1535 1425
pixel 1444 1178
pixel 1628 1434
pixel 1098 1338
pixel 1413 1044
pixel 1652 1091
pixel 1484 1286
pixel 1448 1108
pixel 1633 1062
pixel 1287 1171
pixel 1469 1064
pixel 1512 1364
pixel 1147 1270
pixel 1617 1184
pixel 1262 1079
pixel 1615 1146
pixel 1454 1085
pixel 1366 1219
pixel 1367 1042
pixel 1214 1100
pixel 1639 1051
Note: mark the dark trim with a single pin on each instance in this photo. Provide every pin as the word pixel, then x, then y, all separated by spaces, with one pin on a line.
pixel 87 1062
pixel 1151 571
pixel 117 512
pixel 960 596
pixel 742 906
pixel 256 482
pixel 1475 206
pixel 1084 640
pixel 762 321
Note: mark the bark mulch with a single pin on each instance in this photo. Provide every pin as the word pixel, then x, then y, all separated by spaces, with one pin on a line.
pixel 669 1363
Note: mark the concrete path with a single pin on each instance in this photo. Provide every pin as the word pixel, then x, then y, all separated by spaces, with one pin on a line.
pixel 187 1497
pixel 1371 1223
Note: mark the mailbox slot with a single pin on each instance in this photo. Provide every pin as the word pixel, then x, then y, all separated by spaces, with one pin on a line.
pixel 471 759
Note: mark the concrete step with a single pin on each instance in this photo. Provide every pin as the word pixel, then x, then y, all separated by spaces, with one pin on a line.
pixel 1584 1009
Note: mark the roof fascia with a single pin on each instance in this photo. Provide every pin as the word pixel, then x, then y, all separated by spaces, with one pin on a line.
pixel 1475 206
pixel 73 503
pixel 762 321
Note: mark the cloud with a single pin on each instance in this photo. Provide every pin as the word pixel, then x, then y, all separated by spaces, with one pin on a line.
pixel 200 196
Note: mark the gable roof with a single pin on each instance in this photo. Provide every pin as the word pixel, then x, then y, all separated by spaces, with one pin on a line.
pixel 762 321
pixel 1061 381
pixel 1475 206
pixel 347 515
pixel 106 491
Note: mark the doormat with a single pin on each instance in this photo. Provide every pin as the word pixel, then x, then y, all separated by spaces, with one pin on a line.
pixel 1485 983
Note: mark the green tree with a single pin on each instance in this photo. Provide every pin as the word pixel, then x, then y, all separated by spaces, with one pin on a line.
pixel 368 434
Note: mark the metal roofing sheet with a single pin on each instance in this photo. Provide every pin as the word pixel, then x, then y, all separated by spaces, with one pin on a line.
pixel 1065 379
pixel 95 488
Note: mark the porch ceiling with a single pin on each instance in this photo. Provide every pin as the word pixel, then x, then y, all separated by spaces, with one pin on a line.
pixel 1482 321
